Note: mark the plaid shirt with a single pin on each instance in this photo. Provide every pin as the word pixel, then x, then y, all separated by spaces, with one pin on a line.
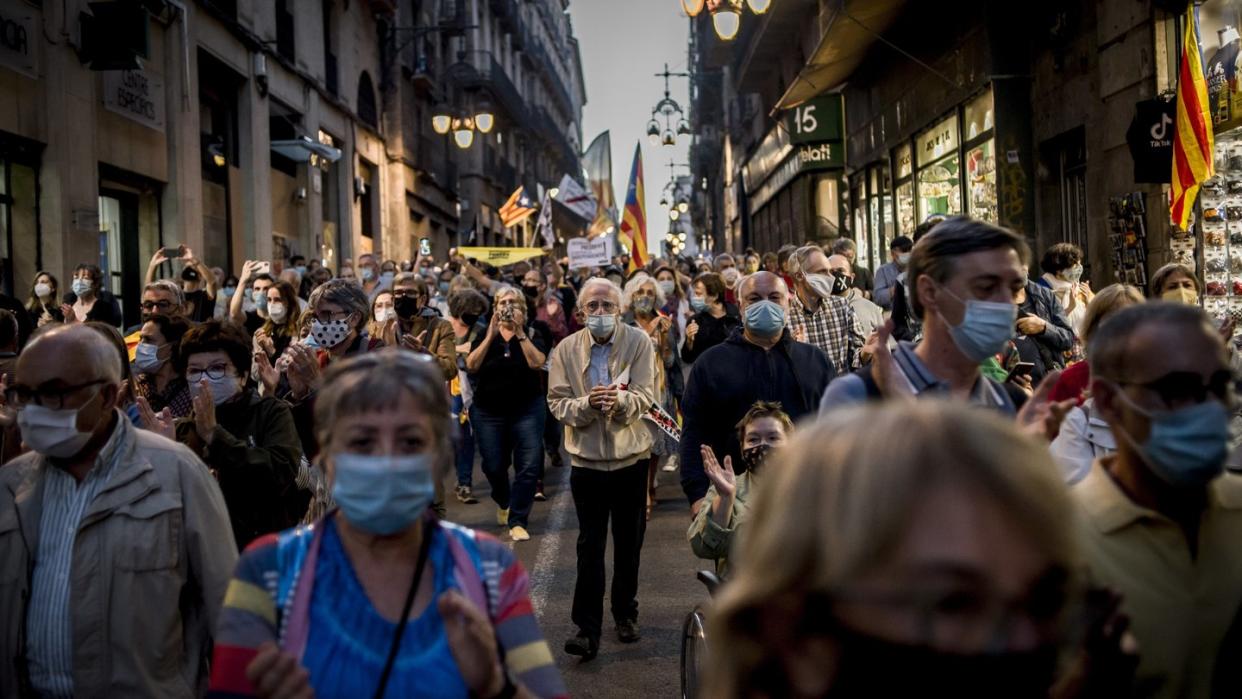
pixel 176 396
pixel 833 328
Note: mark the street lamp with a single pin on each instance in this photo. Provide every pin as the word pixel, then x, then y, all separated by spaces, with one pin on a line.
pixel 441 120
pixel 669 139
pixel 653 132
pixel 463 131
pixel 673 214
pixel 759 6
pixel 683 127
pixel 692 7
pixel 727 19
pixel 683 206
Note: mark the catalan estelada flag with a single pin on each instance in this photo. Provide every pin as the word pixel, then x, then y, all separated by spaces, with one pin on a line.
pixel 634 220
pixel 517 209
pixel 1192 140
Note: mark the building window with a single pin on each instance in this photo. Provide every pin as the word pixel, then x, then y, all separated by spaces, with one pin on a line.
pixel 367 200
pixel 284 30
pixel 366 101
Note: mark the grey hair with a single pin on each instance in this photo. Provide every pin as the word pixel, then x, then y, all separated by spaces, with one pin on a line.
pixel 169 287
pixel 634 284
pixel 797 260
pixel 345 294
pixel 376 381
pixel 503 289
pixel 1109 352
pixel 613 290
pixel 94 347
pixel 403 277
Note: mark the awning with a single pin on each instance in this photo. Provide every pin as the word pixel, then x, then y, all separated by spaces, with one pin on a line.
pixel 852 29
pixel 300 150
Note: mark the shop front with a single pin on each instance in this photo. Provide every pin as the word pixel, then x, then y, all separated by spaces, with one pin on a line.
pixel 792 183
pixel 19 213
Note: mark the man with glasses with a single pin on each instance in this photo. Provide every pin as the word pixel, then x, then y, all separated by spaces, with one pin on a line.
pixel 418 327
pixel 601 383
pixel 1159 519
pixel 116 540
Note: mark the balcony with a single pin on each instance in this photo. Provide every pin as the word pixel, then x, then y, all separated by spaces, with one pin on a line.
pixel 506 11
pixel 484 72
pixel 453 17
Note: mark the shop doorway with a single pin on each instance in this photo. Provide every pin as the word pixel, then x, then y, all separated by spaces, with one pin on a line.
pixel 118 249
pixel 1064 193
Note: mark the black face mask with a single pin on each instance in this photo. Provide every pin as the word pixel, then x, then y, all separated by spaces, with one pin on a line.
pixel 874 667
pixel 755 456
pixel 840 285
pixel 406 306
pixel 530 291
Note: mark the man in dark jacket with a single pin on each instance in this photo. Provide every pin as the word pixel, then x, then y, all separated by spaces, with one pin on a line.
pixel 759 361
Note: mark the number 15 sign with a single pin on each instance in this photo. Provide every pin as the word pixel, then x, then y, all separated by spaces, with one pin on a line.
pixel 815 121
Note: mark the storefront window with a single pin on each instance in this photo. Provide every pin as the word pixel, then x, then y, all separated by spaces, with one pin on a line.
pixel 905 208
pixel 19 236
pixel 881 212
pixel 858 204
pixel 979 116
pixel 981 177
pixel 939 170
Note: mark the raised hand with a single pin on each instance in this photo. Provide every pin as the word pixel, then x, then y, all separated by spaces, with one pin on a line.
pixel 204 412
pixel 888 377
pixel 1041 416
pixel 722 477
pixel 268 375
pixel 160 423
pixel 472 641
pixel 277 675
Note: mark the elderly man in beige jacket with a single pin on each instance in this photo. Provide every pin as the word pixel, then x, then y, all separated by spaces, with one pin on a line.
pixel 602 382
pixel 115 544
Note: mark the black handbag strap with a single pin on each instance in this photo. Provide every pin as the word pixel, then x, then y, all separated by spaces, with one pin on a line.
pixel 423 552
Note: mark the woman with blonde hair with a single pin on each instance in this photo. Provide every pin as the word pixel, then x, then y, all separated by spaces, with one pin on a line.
pixel 938 564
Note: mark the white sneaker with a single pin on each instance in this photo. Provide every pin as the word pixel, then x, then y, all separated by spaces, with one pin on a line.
pixel 671 464
pixel 519 533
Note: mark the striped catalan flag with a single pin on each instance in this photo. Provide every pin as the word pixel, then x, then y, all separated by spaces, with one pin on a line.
pixel 1192 140
pixel 634 220
pixel 518 208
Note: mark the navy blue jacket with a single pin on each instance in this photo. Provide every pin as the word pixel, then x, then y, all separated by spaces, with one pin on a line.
pixel 727 380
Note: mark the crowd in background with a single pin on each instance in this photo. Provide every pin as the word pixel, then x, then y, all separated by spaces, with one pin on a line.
pixel 1070 532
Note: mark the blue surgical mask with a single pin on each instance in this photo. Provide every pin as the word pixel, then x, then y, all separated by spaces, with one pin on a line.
pixel 228 291
pixel 147 358
pixel 301 270
pixel 985 328
pixel 644 305
pixel 1186 447
pixel 222 389
pixel 259 298
pixel 698 303
pixel 765 319
pixel 383 494
pixel 443 287
pixel 81 287
pixel 602 327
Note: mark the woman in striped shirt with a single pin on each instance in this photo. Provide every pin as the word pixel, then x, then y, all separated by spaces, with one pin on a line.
pixel 380 598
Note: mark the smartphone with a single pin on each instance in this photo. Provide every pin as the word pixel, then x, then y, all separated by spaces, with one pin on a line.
pixel 173 253
pixel 263 268
pixel 424 247
pixel 1021 369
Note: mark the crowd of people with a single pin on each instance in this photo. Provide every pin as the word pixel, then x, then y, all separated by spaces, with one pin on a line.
pixel 990 478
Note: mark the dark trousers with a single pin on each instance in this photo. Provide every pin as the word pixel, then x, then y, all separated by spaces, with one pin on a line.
pixel 515 439
pixel 621 494
pixel 553 434
pixel 464 454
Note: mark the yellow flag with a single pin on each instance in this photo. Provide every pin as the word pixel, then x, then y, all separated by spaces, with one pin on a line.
pixel 499 257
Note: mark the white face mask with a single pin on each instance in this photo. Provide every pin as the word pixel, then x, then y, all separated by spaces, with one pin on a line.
pixel 147 358
pixel 277 311
pixel 1073 275
pixel 384 314
pixel 53 433
pixel 222 389
pixel 903 259
pixel 43 289
pixel 330 334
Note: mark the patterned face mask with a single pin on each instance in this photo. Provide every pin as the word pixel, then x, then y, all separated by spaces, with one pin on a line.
pixel 330 334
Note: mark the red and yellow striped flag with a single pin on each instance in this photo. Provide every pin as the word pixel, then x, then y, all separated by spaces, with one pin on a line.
pixel 1192 140
pixel 634 220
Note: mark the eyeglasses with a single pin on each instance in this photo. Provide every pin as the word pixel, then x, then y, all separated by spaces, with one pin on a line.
pixel 328 316
pixel 152 305
pixel 593 307
pixel 1187 387
pixel 19 396
pixel 215 371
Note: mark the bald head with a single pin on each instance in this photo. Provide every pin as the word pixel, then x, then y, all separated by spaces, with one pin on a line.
pixel 838 262
pixel 763 286
pixel 94 357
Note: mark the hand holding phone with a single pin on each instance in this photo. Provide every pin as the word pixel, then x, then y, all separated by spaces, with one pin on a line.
pixel 1021 369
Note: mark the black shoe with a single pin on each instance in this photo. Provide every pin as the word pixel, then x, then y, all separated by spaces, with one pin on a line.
pixel 582 646
pixel 555 459
pixel 627 632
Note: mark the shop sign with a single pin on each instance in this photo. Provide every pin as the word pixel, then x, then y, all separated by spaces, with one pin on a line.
pixel 1224 88
pixel 816 121
pixel 939 141
pixel 772 151
pixel 904 161
pixel 19 33
pixel 1150 138
pixel 136 95
pixel 821 156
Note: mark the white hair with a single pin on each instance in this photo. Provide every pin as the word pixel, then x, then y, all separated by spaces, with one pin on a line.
pixel 634 284
pixel 613 290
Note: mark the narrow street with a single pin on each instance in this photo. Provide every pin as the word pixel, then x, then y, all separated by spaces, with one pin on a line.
pixel 667 588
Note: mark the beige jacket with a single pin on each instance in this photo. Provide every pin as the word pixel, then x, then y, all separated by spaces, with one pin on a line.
pixel 592 439
pixel 152 558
